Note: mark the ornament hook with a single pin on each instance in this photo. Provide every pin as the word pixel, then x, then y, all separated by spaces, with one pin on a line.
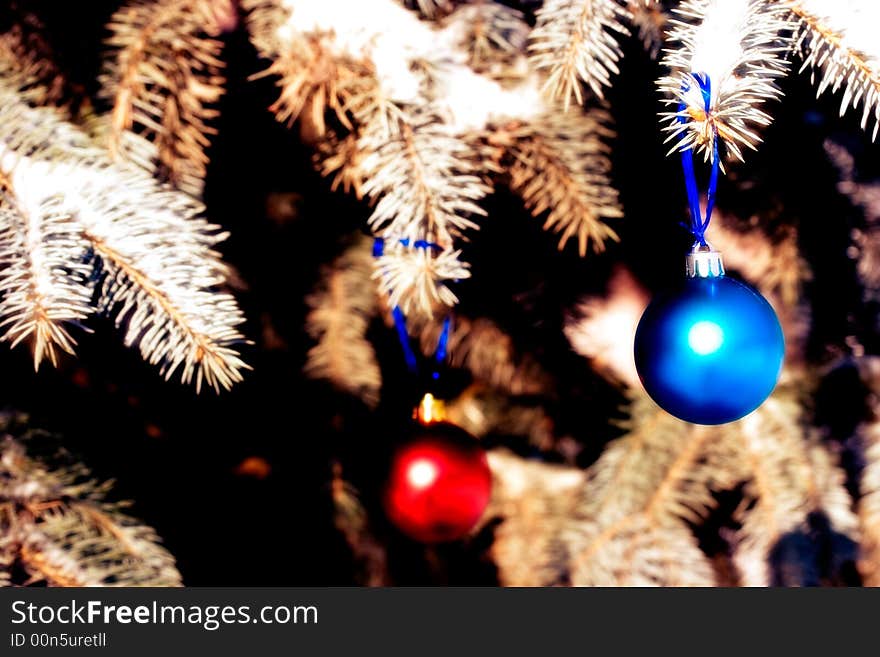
pixel 703 262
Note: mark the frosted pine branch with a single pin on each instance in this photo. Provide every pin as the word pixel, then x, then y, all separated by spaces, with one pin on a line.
pixel 45 276
pixel 57 528
pixel 603 328
pixel 740 45
pixel 575 41
pixel 414 108
pixel 869 482
pixel 650 21
pixel 837 40
pixel 423 180
pixel 417 279
pixel 162 77
pixel 24 47
pixel 154 260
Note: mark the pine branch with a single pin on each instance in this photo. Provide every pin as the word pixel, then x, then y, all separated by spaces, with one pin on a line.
pixel 26 49
pixel 603 328
pixel 422 180
pixel 574 41
pixel 350 518
pixel 162 76
pixel 837 41
pixel 411 105
pixel 788 478
pixel 740 45
pixel 559 165
pixel 651 22
pixel 534 500
pixel 630 527
pixel 340 313
pixel 157 268
pixel 865 195
pixel 869 506
pixel 417 279
pixel 46 275
pixel 339 159
pixel 59 530
pixel 312 78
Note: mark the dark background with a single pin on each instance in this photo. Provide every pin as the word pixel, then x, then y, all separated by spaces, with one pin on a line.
pixel 177 455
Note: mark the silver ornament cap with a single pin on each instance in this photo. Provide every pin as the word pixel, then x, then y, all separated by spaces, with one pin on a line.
pixel 704 262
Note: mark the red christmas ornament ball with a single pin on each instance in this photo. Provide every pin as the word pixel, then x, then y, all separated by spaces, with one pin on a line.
pixel 439 484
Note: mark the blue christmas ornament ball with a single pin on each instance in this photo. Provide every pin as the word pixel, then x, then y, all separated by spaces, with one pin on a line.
pixel 711 351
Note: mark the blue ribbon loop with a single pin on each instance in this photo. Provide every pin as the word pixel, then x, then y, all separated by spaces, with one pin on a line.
pixel 409 354
pixel 699 224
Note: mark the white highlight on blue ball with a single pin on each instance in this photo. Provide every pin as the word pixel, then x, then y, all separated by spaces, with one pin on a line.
pixel 705 337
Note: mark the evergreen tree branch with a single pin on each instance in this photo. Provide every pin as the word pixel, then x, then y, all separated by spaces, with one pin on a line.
pixel 59 529
pixel 422 179
pixel 46 275
pixel 574 41
pixel 651 21
pixel 351 520
pixel 156 262
pixel 837 41
pixel 869 484
pixel 559 165
pixel 162 76
pixel 740 45
pixel 341 309
pixel 788 478
pixel 24 46
pixel 416 279
pixel 630 526
pixel 534 500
